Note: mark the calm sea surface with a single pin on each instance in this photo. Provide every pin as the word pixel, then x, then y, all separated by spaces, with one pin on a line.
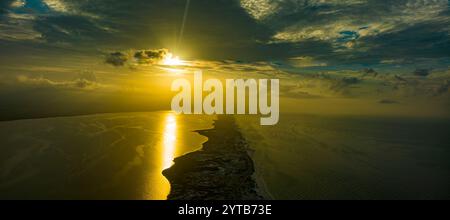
pixel 109 156
pixel 321 157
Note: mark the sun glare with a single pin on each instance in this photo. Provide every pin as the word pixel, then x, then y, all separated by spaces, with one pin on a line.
pixel 171 60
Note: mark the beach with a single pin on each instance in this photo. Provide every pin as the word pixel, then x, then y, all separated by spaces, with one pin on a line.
pixel 221 170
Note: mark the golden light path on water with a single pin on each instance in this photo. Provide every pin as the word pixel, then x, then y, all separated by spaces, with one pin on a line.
pixel 169 140
pixel 158 186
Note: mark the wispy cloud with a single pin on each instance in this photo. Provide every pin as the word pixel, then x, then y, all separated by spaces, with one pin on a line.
pixel 354 28
pixel 85 80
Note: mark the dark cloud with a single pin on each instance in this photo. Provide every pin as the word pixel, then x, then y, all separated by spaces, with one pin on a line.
pixel 155 56
pixel 4 5
pixel 116 58
pixel 421 72
pixel 74 29
pixel 370 72
pixel 400 79
pixel 418 41
pixel 343 85
pixel 150 56
pixel 350 81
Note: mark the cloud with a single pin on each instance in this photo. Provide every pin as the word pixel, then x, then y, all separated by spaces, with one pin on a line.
pixel 85 80
pixel 266 9
pixel 116 58
pixel 151 56
pixel 305 61
pixel 260 9
pixel 139 57
pixel 57 5
pixel 68 7
pixel 366 31
pixel 51 21
pixel 342 21
pixel 18 3
pixel 421 72
pixel 19 27
pixel 4 6
pixel 369 72
pixel 342 85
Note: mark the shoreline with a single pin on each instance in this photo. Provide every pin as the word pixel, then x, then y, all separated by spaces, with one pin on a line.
pixel 221 170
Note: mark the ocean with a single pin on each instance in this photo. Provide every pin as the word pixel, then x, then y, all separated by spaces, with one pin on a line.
pixel 107 156
pixel 345 157
pixel 121 156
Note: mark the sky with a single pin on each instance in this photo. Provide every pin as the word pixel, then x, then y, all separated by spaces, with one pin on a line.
pixel 389 51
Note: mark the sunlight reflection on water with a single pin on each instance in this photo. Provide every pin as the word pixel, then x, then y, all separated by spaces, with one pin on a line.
pixel 158 186
pixel 170 131
pixel 120 155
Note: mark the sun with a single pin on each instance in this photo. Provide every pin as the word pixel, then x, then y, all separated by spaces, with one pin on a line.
pixel 171 60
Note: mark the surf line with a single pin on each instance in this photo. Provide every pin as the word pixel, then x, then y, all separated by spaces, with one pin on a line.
pixel 213 103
